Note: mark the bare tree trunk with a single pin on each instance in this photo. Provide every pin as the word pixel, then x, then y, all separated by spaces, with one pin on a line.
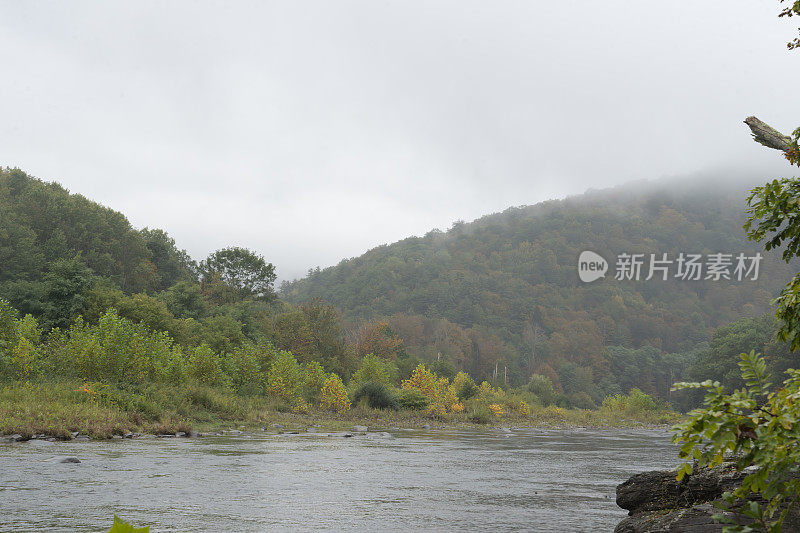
pixel 767 135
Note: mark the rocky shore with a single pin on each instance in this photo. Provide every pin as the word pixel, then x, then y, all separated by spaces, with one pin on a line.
pixel 278 429
pixel 656 502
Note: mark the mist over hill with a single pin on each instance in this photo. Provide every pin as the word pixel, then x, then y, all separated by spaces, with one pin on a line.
pixel 500 296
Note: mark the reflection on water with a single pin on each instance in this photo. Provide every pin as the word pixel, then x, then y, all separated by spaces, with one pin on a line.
pixel 531 479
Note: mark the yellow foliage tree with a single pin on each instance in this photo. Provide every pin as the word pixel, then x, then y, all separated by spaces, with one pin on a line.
pixel 334 395
pixel 444 397
pixel 24 356
pixel 422 380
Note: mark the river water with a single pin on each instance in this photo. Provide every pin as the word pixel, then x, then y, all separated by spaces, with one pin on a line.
pixel 500 480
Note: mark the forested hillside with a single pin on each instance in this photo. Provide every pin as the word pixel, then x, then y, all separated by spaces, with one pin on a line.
pixel 503 292
pixel 499 298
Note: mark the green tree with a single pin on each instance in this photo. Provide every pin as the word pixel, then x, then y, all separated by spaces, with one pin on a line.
pixel 66 282
pixel 245 271
pixel 172 264
pixel 757 423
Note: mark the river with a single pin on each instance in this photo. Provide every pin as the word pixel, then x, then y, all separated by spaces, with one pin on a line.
pixel 435 480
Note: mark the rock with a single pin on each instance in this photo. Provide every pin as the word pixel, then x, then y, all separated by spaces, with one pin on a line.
pixel 311 430
pixel 347 435
pixel 128 435
pixel 194 433
pixel 233 432
pixel 70 460
pixel 81 437
pixel 694 519
pixel 276 426
pixel 426 426
pixel 654 491
pixel 657 502
pixel 180 434
pixel 16 437
pixel 116 437
pixel 360 429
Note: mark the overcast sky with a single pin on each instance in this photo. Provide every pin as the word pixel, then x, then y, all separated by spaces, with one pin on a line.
pixel 313 131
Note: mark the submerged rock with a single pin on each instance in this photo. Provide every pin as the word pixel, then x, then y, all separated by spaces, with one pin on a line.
pixel 69 460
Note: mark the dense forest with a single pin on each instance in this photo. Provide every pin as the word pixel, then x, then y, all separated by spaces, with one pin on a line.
pixel 498 298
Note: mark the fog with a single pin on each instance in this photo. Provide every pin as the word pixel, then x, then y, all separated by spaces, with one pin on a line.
pixel 312 131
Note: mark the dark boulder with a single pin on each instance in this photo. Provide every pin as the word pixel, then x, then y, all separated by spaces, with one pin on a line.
pixel 657 503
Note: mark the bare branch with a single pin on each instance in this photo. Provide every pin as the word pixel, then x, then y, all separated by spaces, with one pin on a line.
pixel 767 135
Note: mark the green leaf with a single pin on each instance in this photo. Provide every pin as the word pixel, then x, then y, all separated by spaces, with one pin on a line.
pixel 121 526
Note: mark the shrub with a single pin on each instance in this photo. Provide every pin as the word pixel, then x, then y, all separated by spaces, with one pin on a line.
pixel 204 365
pixel 24 359
pixel 314 378
pixel 413 399
pixel 496 409
pixel 542 387
pixel 464 386
pixel 635 401
pixel 480 415
pixel 284 376
pixel 377 396
pixel 422 381
pixel 757 425
pixel 375 369
pixel 334 395
pixel 582 400
pixel 242 366
pixel 444 396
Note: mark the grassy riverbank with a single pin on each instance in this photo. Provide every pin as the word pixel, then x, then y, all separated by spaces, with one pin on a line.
pixel 62 407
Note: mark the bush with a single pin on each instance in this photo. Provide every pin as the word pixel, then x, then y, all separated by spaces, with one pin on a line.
pixel 635 401
pixel 244 370
pixel 582 400
pixel 314 378
pixel 377 396
pixel 480 415
pixel 464 386
pixel 284 376
pixel 375 369
pixel 413 399
pixel 422 381
pixel 334 395
pixel 205 365
pixel 542 387
pixel 444 398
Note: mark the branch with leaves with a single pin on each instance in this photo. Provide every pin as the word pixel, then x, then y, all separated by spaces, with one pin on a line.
pixel 760 427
